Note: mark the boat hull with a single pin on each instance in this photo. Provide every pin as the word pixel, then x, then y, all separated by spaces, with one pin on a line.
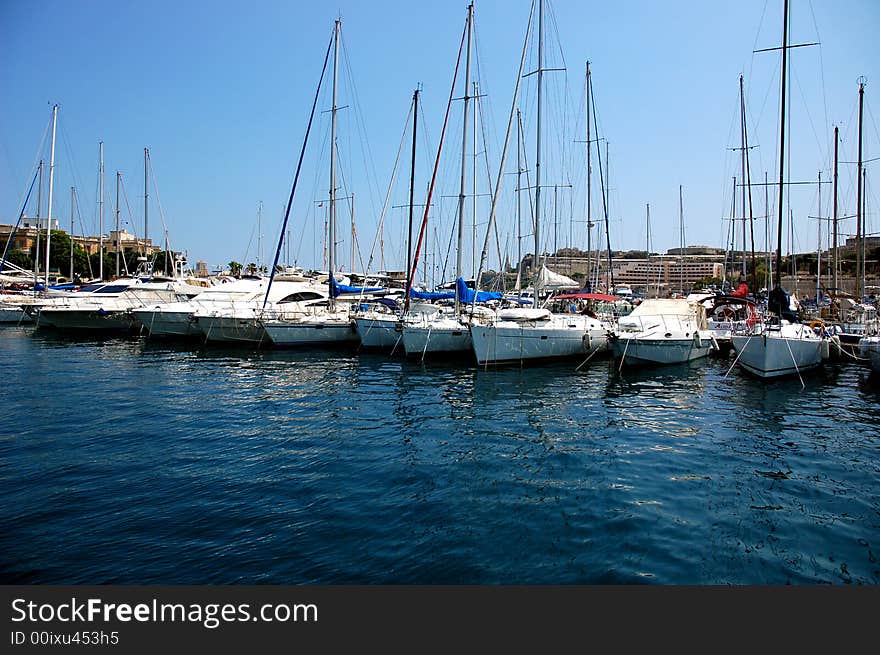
pixel 167 324
pixel 509 342
pixel 311 333
pixel 433 340
pixel 770 356
pixel 14 315
pixel 659 351
pixel 98 320
pixel 226 329
pixel 378 333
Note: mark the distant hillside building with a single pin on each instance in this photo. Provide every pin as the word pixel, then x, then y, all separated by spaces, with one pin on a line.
pixel 26 238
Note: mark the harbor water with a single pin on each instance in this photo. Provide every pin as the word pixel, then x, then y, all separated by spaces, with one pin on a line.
pixel 129 461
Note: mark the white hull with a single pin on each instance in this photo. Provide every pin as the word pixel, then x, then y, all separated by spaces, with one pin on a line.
pixel 224 329
pixel 378 332
pixel 167 324
pixel 558 337
pixel 776 354
pixel 659 351
pixel 311 332
pixel 436 337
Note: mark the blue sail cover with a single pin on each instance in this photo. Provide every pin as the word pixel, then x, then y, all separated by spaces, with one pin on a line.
pixel 337 289
pixel 466 294
pixel 430 295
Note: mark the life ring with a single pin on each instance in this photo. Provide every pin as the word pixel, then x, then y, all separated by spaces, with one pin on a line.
pixel 818 323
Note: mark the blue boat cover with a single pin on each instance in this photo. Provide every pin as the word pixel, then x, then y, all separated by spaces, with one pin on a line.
pixel 336 289
pixel 430 295
pixel 466 294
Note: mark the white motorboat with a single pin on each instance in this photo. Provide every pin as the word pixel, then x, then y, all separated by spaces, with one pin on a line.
pixel 662 331
pixel 175 319
pixel 242 320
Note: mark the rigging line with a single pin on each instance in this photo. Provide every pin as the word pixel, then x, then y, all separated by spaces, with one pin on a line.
pixel 484 254
pixel 807 110
pixel 873 122
pixel 409 116
pixel 130 222
pixel 424 224
pixel 312 211
pixel 20 215
pixel 366 151
pixel 159 202
pixel 757 36
pixel 602 187
pixel 76 205
pixel 821 62
pixel 298 168
pixel 69 153
pixel 489 178
pixel 35 166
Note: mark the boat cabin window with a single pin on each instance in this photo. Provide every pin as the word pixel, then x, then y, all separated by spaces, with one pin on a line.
pixel 300 296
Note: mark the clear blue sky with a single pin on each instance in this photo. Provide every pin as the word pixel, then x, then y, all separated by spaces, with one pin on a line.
pixel 220 93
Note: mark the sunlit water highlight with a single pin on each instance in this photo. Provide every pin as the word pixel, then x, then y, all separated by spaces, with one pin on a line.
pixel 131 462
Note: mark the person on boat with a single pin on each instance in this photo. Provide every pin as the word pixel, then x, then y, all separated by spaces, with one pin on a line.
pixel 742 290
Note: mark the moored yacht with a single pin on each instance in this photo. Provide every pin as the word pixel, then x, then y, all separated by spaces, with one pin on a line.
pixel 662 331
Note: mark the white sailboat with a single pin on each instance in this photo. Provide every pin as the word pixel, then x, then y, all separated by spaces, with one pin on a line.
pixel 520 334
pixel 328 321
pixel 446 332
pixel 783 346
pixel 378 323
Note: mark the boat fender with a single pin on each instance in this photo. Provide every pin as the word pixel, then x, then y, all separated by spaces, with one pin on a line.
pixel 588 339
pixel 698 342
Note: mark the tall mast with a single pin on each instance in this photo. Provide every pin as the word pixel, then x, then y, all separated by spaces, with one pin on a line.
pixel 353 233
pixel 607 213
pixel 72 203
pixel 51 181
pixel 118 244
pixel 767 233
pixel 782 144
pixel 834 217
pixel 474 202
pixel 39 216
pixel 681 241
pixel 647 247
pixel 146 198
pixel 747 182
pixel 864 215
pixel 589 175
pixel 519 202
pixel 464 140
pixel 860 291
pixel 538 148
pixel 819 246
pixel 259 237
pixel 412 187
pixel 101 211
pixel 331 230
pixel 742 158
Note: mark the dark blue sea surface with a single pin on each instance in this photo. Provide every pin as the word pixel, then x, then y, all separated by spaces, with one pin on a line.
pixel 129 461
